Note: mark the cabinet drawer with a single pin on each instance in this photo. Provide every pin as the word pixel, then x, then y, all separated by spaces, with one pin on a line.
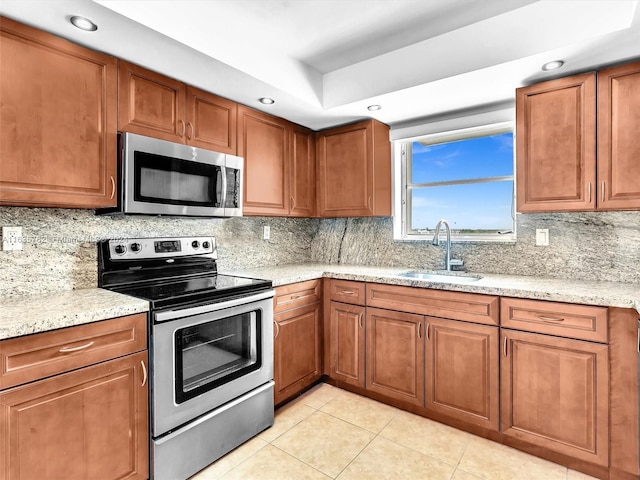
pixel 33 357
pixel 346 291
pixel 470 307
pixel 563 319
pixel 296 295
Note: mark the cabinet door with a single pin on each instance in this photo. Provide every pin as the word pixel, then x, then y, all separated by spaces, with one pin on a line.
pixel 618 146
pixel 57 121
pixel 345 171
pixel 395 355
pixel 150 104
pixel 303 173
pixel 90 423
pixel 347 343
pixel 211 121
pixel 555 394
pixel 297 350
pixel 556 145
pixel 262 141
pixel 462 372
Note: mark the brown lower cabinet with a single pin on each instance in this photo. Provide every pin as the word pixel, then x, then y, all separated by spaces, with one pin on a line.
pixel 462 371
pixel 74 403
pixel 297 338
pixel 346 351
pixel 555 394
pixel 395 355
pixel 557 380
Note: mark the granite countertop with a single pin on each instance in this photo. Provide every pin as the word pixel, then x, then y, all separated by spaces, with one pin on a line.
pixel 28 314
pixel 610 294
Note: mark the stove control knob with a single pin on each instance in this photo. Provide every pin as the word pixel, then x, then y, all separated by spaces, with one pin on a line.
pixel 205 244
pixel 135 247
pixel 195 244
pixel 120 249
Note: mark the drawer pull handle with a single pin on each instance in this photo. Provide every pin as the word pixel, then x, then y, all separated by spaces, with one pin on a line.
pixel 550 319
pixel 182 128
pixel 75 349
pixel 277 329
pixel 189 130
pixel 428 329
pixel 113 188
pixel 589 190
pixel 419 330
pixel 603 191
pixel 360 321
pixel 504 346
pixel 144 373
pixel 294 297
pixel 347 292
pixel 293 203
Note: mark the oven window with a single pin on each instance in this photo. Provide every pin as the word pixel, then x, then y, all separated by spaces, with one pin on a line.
pixel 160 179
pixel 213 353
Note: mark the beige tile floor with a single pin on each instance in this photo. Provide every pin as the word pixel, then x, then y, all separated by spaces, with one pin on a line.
pixel 330 433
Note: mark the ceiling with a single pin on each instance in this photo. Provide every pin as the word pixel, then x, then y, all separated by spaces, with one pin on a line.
pixel 325 61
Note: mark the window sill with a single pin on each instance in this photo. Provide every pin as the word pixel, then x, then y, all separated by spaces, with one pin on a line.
pixel 491 239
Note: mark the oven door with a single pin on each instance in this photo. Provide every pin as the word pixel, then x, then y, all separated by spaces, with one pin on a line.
pixel 203 357
pixel 166 178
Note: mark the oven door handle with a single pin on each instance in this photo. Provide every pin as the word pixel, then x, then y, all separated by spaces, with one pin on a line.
pixel 212 307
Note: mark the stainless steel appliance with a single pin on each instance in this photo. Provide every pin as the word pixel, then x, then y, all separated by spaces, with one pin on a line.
pixel 210 347
pixel 157 177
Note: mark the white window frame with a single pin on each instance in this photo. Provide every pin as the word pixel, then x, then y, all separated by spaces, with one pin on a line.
pixel 401 173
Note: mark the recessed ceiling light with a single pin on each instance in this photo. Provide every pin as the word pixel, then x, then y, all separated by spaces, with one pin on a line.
pixel 267 100
pixel 373 108
pixel 552 65
pixel 83 23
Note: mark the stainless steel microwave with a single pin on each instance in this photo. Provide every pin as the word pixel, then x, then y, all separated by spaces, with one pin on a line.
pixel 157 177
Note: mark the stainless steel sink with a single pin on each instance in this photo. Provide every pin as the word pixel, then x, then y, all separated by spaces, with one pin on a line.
pixel 442 277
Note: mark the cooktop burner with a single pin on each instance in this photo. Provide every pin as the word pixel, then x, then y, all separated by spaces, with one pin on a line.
pixel 169 272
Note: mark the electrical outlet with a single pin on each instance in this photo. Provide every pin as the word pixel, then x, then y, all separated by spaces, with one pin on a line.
pixel 266 232
pixel 11 238
pixel 542 237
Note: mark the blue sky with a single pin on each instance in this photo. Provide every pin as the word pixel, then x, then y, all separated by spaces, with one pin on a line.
pixel 471 206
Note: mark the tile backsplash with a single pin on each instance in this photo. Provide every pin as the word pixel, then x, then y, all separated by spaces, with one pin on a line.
pixel 60 245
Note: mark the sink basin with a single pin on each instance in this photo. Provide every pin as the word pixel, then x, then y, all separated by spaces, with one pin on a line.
pixel 442 277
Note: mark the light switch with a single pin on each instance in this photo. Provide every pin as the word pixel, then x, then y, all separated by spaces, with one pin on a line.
pixel 542 237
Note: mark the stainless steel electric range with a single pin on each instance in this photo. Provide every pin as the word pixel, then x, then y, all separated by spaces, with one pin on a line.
pixel 210 348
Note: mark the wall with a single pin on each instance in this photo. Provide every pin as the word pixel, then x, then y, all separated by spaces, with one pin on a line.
pixel 60 244
pixel 601 246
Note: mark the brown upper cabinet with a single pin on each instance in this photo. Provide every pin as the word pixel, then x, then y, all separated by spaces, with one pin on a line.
pixel 618 146
pixel 556 163
pixel 354 170
pixel 57 121
pixel 279 165
pixel 157 106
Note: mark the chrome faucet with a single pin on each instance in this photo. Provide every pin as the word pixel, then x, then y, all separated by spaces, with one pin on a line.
pixel 436 241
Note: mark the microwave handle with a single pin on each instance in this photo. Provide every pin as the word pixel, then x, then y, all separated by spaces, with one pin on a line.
pixel 224 186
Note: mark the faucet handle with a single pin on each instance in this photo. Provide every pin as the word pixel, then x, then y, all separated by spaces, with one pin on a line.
pixel 456 262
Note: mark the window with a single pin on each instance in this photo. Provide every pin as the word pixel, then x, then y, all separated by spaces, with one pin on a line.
pixel 465 179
